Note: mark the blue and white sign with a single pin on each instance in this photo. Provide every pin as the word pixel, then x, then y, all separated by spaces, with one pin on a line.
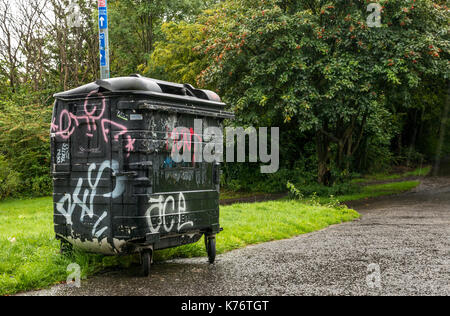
pixel 103 38
pixel 102 41
pixel 102 18
pixel 103 61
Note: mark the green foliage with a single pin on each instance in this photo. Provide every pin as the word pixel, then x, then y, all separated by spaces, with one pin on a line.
pixel 133 38
pixel 9 179
pixel 378 190
pixel 294 192
pixel 419 172
pixel 25 147
pixel 318 190
pixel 175 58
pixel 348 98
pixel 424 122
pixel 321 67
pixel 389 176
pixel 247 178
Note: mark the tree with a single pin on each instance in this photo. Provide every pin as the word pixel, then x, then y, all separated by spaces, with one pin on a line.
pixel 11 36
pixel 40 52
pixel 176 57
pixel 74 49
pixel 133 38
pixel 319 65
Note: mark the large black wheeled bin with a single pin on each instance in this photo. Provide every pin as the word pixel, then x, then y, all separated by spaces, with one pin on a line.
pixel 117 188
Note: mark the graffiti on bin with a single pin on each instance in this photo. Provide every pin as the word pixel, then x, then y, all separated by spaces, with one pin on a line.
pixel 165 212
pixel 70 202
pixel 169 163
pixel 184 138
pixel 63 154
pixel 67 123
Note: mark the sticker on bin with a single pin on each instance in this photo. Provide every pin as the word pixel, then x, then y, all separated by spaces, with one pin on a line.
pixel 136 117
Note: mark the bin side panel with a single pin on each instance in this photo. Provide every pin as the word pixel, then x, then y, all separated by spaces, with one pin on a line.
pixel 84 172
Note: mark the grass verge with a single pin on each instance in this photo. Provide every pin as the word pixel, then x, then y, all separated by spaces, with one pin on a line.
pixel 376 190
pixel 419 172
pixel 228 195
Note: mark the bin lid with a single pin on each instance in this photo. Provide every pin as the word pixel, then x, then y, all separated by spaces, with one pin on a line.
pixel 137 84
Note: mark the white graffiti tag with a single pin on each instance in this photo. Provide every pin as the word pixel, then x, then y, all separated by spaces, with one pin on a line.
pixel 87 202
pixel 63 154
pixel 167 209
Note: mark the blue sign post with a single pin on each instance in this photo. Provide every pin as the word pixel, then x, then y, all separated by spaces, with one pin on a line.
pixel 103 39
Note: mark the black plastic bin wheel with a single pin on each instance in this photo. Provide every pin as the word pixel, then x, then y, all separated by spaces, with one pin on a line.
pixel 210 243
pixel 146 258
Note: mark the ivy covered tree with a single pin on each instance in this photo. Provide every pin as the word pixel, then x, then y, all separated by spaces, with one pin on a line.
pixel 319 66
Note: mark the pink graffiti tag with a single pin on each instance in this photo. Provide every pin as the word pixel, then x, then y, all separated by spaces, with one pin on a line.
pixel 92 121
pixel 183 138
pixel 130 145
pixel 53 126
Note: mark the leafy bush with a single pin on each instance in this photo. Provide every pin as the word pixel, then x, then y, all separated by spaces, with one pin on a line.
pixel 315 199
pixel 247 178
pixel 411 157
pixel 294 193
pixel 317 190
pixel 40 186
pixel 9 179
pixel 25 147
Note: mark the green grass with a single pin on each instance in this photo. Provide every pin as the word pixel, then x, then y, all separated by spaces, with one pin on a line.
pixel 419 172
pixel 227 195
pixel 376 190
pixel 33 260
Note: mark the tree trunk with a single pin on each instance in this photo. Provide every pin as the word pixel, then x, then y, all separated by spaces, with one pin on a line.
pixel 323 156
pixel 442 135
